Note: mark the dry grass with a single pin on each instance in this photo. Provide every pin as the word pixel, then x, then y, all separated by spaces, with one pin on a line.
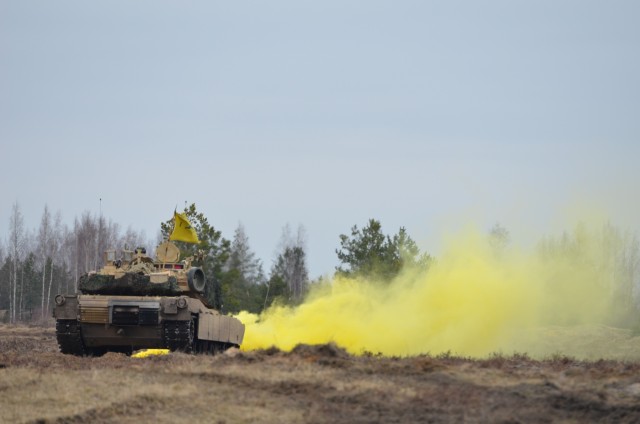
pixel 309 384
pixel 586 342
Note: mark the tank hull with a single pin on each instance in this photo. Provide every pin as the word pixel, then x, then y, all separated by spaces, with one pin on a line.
pixel 90 324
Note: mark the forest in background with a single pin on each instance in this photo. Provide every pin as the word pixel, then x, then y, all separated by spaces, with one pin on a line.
pixel 36 264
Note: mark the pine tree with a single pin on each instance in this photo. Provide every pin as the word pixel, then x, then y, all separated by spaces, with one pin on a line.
pixel 244 275
pixel 16 246
pixel 289 277
pixel 369 253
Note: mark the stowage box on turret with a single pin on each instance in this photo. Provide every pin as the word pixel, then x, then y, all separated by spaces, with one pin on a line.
pixel 135 302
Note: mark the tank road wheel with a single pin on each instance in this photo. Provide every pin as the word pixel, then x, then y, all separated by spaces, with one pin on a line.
pixel 69 337
pixel 179 336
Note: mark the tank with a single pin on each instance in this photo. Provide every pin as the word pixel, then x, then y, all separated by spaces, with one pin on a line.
pixel 135 302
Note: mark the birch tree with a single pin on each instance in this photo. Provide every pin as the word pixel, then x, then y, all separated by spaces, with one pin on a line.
pixel 132 239
pixel 70 252
pixel 27 283
pixel 16 244
pixel 53 251
pixel 4 280
pixel 44 237
pixel 87 234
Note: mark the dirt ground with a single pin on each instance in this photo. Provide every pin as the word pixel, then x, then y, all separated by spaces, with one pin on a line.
pixel 309 384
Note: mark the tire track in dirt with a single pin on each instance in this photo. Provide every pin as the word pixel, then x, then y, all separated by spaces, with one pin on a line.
pixel 138 408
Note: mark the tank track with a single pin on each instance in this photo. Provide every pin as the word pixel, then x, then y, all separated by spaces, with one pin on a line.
pixel 210 347
pixel 179 335
pixel 69 337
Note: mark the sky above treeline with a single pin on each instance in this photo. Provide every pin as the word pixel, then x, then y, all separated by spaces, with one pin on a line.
pixel 433 115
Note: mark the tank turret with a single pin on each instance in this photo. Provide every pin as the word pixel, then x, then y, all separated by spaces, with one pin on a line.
pixel 135 273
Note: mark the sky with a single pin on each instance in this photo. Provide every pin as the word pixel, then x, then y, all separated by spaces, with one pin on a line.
pixel 432 115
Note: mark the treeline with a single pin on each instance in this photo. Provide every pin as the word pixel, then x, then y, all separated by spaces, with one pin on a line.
pixel 37 264
pixel 577 264
pixel 606 259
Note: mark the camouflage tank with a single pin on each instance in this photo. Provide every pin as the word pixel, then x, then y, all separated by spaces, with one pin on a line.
pixel 135 302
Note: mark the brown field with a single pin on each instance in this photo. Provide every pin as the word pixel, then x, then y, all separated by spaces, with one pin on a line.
pixel 310 384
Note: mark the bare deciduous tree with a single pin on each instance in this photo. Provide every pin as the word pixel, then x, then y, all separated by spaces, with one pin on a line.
pixel 44 245
pixel 54 254
pixel 16 245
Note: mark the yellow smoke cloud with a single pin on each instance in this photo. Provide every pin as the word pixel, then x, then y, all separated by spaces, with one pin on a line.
pixel 473 301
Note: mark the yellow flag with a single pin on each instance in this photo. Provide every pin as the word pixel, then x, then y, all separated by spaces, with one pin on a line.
pixel 182 229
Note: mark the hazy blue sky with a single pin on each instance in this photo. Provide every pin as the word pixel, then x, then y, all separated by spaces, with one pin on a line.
pixel 427 114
